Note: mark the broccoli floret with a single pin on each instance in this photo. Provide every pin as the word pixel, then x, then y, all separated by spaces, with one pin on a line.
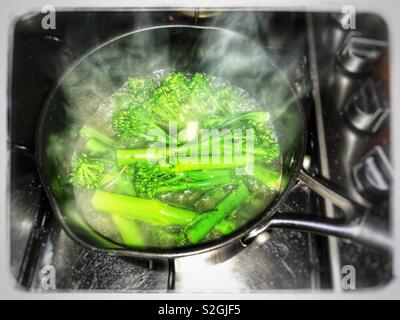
pixel 140 89
pixel 203 93
pixel 231 100
pixel 152 179
pixel 148 177
pixel 172 101
pixel 134 93
pixel 135 126
pixel 149 116
pixel 87 172
pixel 266 146
pixel 130 121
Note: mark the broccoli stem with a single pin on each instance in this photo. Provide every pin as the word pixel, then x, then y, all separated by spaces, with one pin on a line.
pixel 269 178
pixel 194 185
pixel 213 163
pixel 150 211
pixel 210 199
pixel 204 223
pixel 129 231
pixel 226 226
pixel 207 174
pixel 118 182
pixel 89 132
pixel 261 117
pixel 130 156
pixel 99 150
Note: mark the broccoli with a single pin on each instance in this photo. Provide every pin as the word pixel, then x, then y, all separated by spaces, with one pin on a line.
pixel 91 173
pixel 231 100
pixel 146 210
pixel 203 94
pixel 152 179
pixel 116 180
pixel 132 156
pixel 182 99
pixel 130 232
pixel 131 180
pixel 130 121
pixel 134 93
pixel 150 119
pixel 87 172
pixel 92 133
pixel 206 222
pixel 95 166
pixel 169 102
pixel 266 147
pixel 136 125
pixel 226 226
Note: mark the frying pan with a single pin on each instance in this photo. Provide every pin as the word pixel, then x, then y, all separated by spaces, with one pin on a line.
pixel 214 51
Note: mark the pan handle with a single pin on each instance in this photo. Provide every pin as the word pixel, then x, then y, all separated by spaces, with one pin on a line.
pixel 331 192
pixel 359 225
pixel 368 229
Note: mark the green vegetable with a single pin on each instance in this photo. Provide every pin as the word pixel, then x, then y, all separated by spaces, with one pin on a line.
pixel 232 100
pixel 87 172
pixel 259 143
pixel 172 102
pixel 188 187
pixel 136 125
pixel 206 222
pixel 203 94
pixel 134 93
pixel 131 156
pixel 118 181
pixel 129 231
pixel 226 226
pixel 146 210
pixel 89 132
pixel 264 145
pixel 270 178
pixel 98 149
pixel 165 237
pixel 152 179
pixel 210 199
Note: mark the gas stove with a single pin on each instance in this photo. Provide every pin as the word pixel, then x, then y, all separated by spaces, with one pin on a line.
pixel 340 75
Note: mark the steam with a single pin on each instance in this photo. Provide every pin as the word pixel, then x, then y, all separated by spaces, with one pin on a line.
pixel 233 54
pixel 243 53
pixel 263 61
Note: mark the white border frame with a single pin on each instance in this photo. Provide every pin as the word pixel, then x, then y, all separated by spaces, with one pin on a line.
pixel 11 10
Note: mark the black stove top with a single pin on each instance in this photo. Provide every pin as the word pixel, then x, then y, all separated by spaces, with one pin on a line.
pixel 281 259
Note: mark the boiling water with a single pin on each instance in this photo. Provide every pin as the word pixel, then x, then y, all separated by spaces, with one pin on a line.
pixel 191 199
